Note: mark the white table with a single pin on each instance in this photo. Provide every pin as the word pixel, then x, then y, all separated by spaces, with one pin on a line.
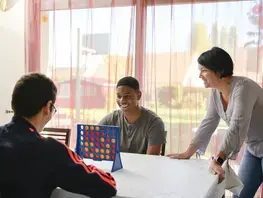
pixel 147 176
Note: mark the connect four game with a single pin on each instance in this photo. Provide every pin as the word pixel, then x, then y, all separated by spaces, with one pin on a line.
pixel 99 143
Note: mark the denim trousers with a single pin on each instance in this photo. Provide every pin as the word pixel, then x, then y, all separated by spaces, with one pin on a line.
pixel 251 174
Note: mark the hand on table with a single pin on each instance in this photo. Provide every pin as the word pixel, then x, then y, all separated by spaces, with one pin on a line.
pixel 179 156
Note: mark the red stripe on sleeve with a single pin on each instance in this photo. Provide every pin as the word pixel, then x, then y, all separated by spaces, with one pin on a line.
pixel 91 169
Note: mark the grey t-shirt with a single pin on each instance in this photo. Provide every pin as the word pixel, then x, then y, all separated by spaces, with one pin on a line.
pixel 244 117
pixel 135 138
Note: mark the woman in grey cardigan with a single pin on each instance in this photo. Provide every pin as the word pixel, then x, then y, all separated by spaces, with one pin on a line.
pixel 239 102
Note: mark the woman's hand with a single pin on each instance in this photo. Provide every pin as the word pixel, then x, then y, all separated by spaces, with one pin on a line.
pixel 179 156
pixel 216 169
pixel 185 155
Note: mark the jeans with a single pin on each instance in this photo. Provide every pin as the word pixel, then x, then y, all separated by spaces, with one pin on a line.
pixel 251 174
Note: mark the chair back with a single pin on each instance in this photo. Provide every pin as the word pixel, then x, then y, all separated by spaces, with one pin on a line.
pixel 60 134
pixel 163 146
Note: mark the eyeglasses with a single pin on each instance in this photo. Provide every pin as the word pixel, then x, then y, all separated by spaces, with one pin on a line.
pixel 55 110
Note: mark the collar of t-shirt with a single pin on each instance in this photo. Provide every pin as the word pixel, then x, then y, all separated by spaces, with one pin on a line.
pixel 132 125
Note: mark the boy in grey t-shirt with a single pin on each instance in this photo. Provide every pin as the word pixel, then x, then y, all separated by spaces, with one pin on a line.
pixel 141 130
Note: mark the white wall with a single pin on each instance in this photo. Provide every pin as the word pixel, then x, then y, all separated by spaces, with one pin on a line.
pixel 12 62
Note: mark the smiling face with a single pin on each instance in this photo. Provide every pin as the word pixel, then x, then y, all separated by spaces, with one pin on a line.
pixel 127 98
pixel 210 78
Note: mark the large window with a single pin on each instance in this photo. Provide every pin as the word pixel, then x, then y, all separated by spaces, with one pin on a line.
pixel 175 36
pixel 92 44
pixel 88 50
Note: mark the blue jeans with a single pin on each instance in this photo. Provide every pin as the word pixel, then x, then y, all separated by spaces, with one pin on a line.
pixel 251 174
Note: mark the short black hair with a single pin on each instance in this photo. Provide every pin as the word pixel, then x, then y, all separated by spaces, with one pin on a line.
pixel 130 82
pixel 217 60
pixel 31 93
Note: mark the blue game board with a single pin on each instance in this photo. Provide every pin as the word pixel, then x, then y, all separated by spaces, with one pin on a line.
pixel 99 142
